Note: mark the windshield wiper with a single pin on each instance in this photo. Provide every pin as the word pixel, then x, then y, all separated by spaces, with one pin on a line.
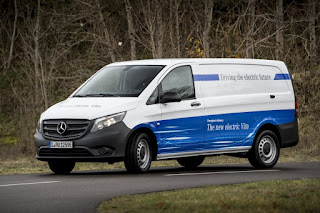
pixel 97 95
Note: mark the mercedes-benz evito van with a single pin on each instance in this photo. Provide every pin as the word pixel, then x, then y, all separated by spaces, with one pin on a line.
pixel 182 109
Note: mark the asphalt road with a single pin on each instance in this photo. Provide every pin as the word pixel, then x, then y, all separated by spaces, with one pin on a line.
pixel 83 191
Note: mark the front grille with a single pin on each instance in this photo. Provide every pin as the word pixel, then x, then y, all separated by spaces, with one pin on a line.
pixel 74 129
pixel 75 152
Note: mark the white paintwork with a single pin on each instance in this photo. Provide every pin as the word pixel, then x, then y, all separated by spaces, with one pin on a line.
pixel 221 97
pixel 89 107
pixel 218 98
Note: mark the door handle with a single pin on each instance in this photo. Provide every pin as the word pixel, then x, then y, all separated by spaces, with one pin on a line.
pixel 195 104
pixel 272 96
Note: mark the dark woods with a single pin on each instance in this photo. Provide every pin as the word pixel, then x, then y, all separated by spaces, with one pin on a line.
pixel 49 47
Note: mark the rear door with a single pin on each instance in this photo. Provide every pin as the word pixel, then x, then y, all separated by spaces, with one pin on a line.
pixel 182 125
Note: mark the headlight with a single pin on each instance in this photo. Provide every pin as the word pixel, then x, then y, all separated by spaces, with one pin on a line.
pixel 39 126
pixel 107 121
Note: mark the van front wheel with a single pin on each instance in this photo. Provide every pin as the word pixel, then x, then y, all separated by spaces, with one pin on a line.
pixel 191 162
pixel 61 167
pixel 139 154
pixel 265 150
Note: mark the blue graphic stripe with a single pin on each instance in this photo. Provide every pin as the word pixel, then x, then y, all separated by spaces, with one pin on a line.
pixel 282 77
pixel 213 132
pixel 212 77
pixel 215 77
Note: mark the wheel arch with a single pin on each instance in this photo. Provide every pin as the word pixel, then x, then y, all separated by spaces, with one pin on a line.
pixel 271 127
pixel 149 132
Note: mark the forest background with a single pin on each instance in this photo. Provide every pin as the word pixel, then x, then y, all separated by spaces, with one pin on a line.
pixel 49 47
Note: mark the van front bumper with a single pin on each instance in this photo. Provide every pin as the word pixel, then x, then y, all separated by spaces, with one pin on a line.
pixel 107 145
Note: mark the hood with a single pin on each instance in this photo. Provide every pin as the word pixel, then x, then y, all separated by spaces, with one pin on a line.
pixel 89 107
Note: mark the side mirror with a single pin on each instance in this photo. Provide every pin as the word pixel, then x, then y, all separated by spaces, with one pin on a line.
pixel 170 97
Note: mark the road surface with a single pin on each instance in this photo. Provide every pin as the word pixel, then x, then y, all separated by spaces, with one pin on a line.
pixel 83 191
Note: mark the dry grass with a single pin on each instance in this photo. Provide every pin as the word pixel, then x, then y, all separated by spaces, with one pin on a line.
pixel 268 196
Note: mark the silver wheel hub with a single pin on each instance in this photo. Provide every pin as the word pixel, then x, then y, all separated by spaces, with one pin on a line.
pixel 143 153
pixel 267 149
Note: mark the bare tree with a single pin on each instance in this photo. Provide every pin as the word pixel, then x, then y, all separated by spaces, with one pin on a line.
pixel 208 9
pixel 160 31
pixel 250 29
pixel 279 30
pixel 106 32
pixel 312 31
pixel 13 37
pixel 175 16
pixel 39 84
pixel 154 26
pixel 131 30
pixel 177 25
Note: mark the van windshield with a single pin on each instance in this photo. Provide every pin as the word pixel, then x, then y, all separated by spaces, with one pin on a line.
pixel 120 81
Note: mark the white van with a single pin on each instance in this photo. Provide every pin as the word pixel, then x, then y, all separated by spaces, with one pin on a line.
pixel 183 109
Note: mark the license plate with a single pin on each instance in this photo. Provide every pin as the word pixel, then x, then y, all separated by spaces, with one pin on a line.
pixel 60 144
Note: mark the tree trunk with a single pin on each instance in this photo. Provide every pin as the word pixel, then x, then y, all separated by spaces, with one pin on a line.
pixel 106 32
pixel 177 20
pixel 208 19
pixel 13 34
pixel 160 31
pixel 37 57
pixel 171 30
pixel 250 30
pixel 131 30
pixel 43 84
pixel 40 83
pixel 150 26
pixel 312 32
pixel 152 42
pixel 279 34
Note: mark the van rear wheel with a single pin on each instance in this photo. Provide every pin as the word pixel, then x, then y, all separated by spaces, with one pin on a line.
pixel 139 154
pixel 191 162
pixel 61 167
pixel 265 150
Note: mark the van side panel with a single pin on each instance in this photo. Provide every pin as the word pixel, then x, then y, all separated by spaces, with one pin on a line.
pixel 237 103
pixel 239 129
pixel 240 98
pixel 225 130
pixel 241 79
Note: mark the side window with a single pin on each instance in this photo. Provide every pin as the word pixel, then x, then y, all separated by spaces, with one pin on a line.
pixel 179 80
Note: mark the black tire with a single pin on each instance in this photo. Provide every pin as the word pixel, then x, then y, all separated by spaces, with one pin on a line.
pixel 191 162
pixel 139 154
pixel 61 167
pixel 265 150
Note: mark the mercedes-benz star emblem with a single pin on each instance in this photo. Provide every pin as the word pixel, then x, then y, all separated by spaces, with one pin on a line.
pixel 61 128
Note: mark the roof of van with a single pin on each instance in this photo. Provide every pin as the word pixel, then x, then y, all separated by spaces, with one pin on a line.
pixel 174 61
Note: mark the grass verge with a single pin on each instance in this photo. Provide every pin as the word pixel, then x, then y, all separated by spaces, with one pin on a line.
pixel 268 196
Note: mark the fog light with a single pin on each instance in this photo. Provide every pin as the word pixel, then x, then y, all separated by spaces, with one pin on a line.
pixel 104 151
